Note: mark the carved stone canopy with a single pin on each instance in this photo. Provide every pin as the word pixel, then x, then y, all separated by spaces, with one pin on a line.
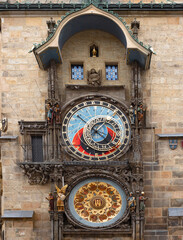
pixel 32 126
pixel 93 18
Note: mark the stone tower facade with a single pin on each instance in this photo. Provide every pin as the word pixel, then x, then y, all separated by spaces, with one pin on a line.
pixel 91 106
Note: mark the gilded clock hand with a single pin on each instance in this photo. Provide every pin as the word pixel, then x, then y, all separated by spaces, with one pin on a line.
pixel 96 131
pixel 107 119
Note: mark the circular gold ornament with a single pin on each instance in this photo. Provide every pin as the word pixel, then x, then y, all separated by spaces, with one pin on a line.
pixel 97 202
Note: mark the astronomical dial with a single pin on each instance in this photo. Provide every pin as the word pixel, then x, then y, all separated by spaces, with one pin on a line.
pixel 97 202
pixel 96 130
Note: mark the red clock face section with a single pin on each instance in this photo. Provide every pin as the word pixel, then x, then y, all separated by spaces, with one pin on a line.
pixel 96 130
pixel 82 147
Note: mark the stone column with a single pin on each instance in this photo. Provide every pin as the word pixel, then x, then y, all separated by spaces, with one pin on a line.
pixel 133 225
pixel 51 79
pixel 60 225
pixel 137 161
pixel 52 224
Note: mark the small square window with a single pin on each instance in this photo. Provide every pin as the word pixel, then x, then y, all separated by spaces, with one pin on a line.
pixel 77 72
pixel 111 72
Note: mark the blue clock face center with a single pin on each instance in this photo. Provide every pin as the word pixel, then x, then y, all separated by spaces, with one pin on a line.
pixel 99 135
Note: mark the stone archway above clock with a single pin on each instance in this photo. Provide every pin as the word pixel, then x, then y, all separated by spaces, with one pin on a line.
pixel 89 18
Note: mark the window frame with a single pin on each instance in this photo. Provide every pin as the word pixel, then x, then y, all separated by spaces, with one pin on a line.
pixel 112 64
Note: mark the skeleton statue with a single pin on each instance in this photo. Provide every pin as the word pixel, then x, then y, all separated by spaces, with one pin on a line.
pixel 132 114
pixel 94 78
pixel 3 125
pixel 61 197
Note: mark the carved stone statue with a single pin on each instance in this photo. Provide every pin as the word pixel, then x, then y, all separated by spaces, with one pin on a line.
pixel 3 125
pixel 49 112
pixel 50 198
pixel 94 52
pixel 61 197
pixel 142 200
pixel 57 113
pixel 132 114
pixel 140 114
pixel 94 78
pixel 53 113
pixel 131 202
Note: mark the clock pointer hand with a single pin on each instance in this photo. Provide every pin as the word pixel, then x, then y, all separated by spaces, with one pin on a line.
pixel 81 119
pixel 96 131
pixel 107 119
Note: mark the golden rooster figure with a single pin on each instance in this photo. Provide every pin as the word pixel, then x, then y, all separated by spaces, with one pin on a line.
pixel 61 197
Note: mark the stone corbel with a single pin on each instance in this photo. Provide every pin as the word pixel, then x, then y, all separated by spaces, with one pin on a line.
pixel 41 173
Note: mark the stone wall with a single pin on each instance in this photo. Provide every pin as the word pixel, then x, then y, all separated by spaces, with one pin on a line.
pixel 162 93
pixel 24 89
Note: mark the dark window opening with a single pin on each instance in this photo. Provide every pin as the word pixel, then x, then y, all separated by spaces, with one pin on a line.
pixel 37 148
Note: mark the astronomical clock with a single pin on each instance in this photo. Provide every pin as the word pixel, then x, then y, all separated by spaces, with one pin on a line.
pixel 96 131
pixel 96 135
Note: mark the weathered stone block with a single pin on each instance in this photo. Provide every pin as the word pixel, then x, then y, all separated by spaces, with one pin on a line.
pixel 162 238
pixel 160 188
pixel 162 232
pixel 23 224
pixel 178 181
pixel 176 231
pixel 177 174
pixel 157 168
pixel 159 220
pixel 161 202
pixel 156 227
pixel 166 174
pixel 176 202
pixel 151 238
pixel 176 237
pixel 173 222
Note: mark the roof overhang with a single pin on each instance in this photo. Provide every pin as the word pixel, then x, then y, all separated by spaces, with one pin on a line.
pixel 91 18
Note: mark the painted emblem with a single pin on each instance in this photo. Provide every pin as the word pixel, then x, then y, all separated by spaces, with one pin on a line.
pixel 173 143
pixel 98 202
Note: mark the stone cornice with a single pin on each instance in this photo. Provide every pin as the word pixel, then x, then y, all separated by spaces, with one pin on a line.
pixel 170 135
pixel 152 7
